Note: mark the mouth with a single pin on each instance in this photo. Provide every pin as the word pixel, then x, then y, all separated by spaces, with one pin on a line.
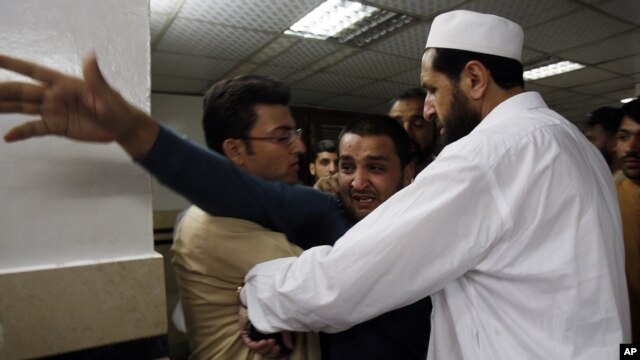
pixel 631 161
pixel 363 199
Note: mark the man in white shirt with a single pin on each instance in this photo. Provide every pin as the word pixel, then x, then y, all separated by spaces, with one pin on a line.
pixel 522 257
pixel 514 230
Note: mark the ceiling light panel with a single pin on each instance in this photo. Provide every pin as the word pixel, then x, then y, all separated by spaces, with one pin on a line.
pixel 272 15
pixel 552 69
pixel 330 18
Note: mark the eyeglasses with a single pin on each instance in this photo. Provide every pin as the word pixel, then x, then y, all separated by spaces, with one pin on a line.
pixel 287 138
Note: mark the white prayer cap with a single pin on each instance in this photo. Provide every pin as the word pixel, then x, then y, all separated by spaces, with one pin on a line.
pixel 477 32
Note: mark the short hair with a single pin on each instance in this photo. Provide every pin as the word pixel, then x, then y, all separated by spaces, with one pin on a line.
pixel 325 145
pixel 506 72
pixel 228 106
pixel 632 109
pixel 608 116
pixel 382 125
pixel 417 93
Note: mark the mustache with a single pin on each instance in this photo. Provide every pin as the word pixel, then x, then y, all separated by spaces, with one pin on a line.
pixel 632 155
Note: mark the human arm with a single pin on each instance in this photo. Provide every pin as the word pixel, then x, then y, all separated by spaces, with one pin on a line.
pixel 90 110
pixel 413 245
pixel 328 184
pixel 86 110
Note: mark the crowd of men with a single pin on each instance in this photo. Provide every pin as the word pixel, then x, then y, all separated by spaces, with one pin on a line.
pixel 509 244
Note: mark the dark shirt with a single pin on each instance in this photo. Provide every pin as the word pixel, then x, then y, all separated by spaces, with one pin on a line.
pixel 306 216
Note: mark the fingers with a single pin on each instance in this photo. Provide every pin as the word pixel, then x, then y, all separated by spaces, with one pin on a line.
pixel 27 130
pixel 20 107
pixel 29 69
pixel 93 77
pixel 287 339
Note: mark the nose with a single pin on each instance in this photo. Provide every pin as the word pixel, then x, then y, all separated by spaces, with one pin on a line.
pixel 333 167
pixel 360 180
pixel 429 110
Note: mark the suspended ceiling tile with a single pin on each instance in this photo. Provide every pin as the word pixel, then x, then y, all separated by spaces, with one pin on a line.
pixel 178 85
pixel 576 78
pixel 524 12
pixel 194 37
pixel 626 65
pixel 531 56
pixel 305 52
pixel 409 42
pixel 560 96
pixel 197 67
pixel 157 23
pixel 599 87
pixel 274 48
pixel 621 45
pixel 413 7
pixel 308 97
pixel 272 15
pixel 382 89
pixel 625 9
pixel 411 77
pixel 373 65
pixel 349 102
pixel 332 83
pixel 539 88
pixel 277 72
pixel 579 28
pixel 380 109
pixel 619 95
pixel 163 6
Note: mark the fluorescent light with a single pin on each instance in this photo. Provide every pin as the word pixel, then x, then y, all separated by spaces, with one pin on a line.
pixel 551 69
pixel 624 101
pixel 330 18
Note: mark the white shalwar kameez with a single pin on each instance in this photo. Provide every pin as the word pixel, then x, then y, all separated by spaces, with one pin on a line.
pixel 515 232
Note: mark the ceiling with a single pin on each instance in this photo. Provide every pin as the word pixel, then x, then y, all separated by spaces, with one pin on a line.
pixel 197 42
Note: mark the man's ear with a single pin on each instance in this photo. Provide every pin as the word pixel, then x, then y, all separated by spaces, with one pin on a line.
pixel 409 172
pixel 235 150
pixel 312 169
pixel 477 78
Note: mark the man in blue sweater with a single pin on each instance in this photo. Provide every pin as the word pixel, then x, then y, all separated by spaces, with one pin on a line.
pixel 375 153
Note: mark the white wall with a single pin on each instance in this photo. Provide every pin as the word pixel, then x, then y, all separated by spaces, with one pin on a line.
pixel 182 114
pixel 63 202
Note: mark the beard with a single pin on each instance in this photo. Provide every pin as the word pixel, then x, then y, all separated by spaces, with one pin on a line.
pixel 461 118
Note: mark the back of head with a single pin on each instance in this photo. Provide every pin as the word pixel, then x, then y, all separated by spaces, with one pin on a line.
pixel 632 110
pixel 609 117
pixel 382 125
pixel 228 107
pixel 461 36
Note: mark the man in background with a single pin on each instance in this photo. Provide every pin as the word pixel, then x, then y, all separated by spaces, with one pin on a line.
pixel 601 131
pixel 422 126
pixel 324 160
pixel 628 151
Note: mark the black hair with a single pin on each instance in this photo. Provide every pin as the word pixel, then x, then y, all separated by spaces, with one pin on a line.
pixel 412 93
pixel 385 126
pixel 325 145
pixel 506 72
pixel 228 106
pixel 608 116
pixel 632 109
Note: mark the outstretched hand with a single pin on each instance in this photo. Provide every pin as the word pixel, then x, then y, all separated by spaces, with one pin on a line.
pixel 82 109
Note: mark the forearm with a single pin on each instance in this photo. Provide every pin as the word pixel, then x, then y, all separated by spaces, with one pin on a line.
pixel 138 139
